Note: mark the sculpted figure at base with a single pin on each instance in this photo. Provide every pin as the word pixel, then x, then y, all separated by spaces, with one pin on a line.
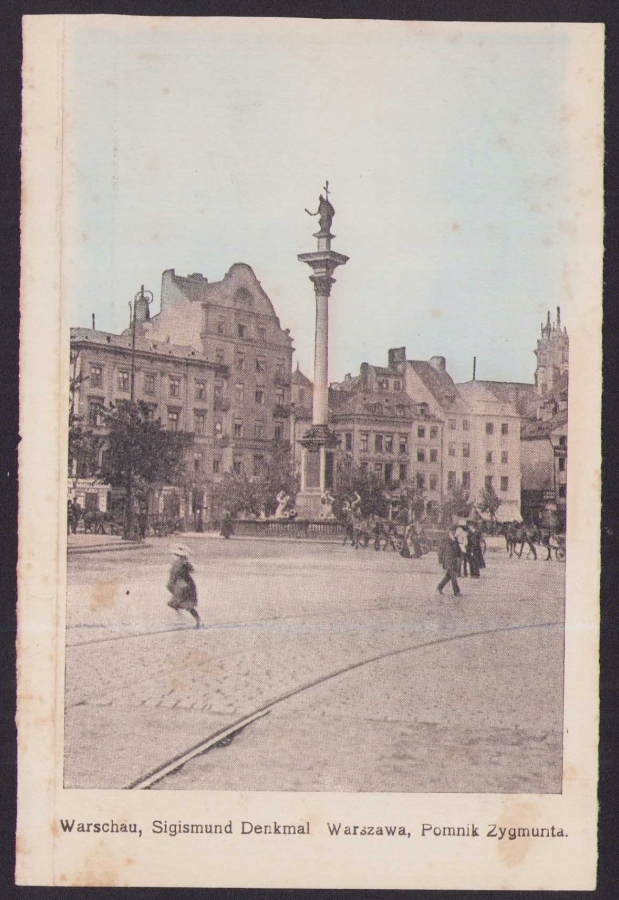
pixel 283 499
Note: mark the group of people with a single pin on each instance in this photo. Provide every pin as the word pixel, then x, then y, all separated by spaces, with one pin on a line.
pixel 460 554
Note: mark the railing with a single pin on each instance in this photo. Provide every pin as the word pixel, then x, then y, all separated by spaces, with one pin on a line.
pixel 281 411
pixel 311 529
pixel 221 405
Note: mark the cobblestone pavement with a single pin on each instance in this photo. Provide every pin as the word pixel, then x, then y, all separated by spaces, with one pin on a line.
pixel 142 685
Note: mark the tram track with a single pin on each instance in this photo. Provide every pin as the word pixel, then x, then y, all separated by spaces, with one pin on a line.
pixel 224 735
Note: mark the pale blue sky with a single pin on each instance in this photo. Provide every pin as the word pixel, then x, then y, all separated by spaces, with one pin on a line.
pixel 447 149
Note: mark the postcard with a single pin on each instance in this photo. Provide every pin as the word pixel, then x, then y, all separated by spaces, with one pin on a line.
pixel 310 459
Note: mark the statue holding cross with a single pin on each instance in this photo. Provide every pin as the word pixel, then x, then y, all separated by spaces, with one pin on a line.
pixel 325 212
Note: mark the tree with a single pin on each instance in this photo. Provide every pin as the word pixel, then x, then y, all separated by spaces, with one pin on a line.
pixel 457 504
pixel 83 443
pixel 140 453
pixel 489 502
pixel 351 479
pixel 254 494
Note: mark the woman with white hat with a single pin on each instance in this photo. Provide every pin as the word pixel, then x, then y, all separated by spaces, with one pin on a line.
pixel 181 585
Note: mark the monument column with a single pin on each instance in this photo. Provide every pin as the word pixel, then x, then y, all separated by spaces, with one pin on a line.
pixel 319 442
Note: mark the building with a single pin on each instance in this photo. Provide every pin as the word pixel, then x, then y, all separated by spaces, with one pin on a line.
pixel 214 362
pixel 544 471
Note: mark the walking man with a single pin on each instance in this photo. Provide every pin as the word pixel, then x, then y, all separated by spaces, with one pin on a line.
pixel 449 556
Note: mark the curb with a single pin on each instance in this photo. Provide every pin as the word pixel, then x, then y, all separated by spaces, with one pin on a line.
pixel 108 548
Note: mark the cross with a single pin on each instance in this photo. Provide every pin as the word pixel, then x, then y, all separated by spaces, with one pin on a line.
pixel 326 190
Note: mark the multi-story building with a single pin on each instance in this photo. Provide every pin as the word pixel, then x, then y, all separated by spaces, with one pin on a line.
pixel 214 362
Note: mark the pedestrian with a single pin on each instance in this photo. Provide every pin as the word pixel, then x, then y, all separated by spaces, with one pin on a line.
pixel 473 550
pixel 449 556
pixel 348 516
pixel 227 524
pixel 462 536
pixel 181 584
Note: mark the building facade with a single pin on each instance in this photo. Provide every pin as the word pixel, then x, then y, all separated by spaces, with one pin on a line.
pixel 214 363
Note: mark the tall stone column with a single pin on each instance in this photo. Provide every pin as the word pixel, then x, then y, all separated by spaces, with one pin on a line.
pixel 319 443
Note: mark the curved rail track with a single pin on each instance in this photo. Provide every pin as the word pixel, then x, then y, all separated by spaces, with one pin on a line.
pixel 225 735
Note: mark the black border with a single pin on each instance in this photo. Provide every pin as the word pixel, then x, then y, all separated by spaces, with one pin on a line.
pixel 10 112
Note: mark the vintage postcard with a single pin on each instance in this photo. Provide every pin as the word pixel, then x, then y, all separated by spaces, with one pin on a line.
pixel 310 460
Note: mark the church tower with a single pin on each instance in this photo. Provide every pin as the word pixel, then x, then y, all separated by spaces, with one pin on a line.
pixel 551 374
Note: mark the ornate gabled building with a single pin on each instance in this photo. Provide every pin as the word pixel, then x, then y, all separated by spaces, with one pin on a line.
pixel 214 362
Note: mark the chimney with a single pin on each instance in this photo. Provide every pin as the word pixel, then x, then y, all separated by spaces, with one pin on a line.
pixel 93 322
pixel 439 362
pixel 474 367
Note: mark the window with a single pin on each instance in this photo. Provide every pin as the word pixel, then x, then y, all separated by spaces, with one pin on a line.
pixel 433 482
pixel 258 464
pixel 218 392
pixel 199 421
pixel 504 483
pixel 200 390
pixel 96 410
pixel 221 327
pixel 561 464
pixel 421 454
pixel 388 472
pixel 489 427
pixel 488 456
pixel 301 396
pixel 397 385
pixel 433 432
pixel 451 481
pixel 259 396
pixel 466 425
pixel 378 468
pixel 240 362
pixel 96 376
pixel 239 393
pixel 218 430
pixel 562 491
pixel 150 411
pixel 280 396
pixel 348 442
pixel 197 462
pixel 240 330
pixel 261 364
pixel 403 444
pixel 466 481
pixel 434 455
pixel 216 466
pixel 237 465
pixel 504 457
pixel 219 356
pixel 388 443
pixel 278 434
pixel 279 371
pixel 364 467
pixel 238 428
pixel 421 431
pixel 452 424
pixel 364 440
pixel 466 450
pixel 175 386
pixel 403 471
pixel 262 334
pixel 173 419
pixel 504 427
pixel 451 450
pixel 378 443
pixel 382 384
pixel 149 384
pixel 420 480
pixel 123 381
pixel 400 411
pixel 259 430
pixel 488 483
pixel 563 440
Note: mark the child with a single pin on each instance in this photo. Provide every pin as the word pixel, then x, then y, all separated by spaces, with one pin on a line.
pixel 181 585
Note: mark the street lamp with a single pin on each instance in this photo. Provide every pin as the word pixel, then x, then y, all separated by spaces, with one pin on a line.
pixel 139 304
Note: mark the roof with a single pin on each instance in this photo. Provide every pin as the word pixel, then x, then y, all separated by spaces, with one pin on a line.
pixel 106 340
pixel 376 404
pixel 534 430
pixel 485 401
pixel 521 394
pixel 440 385
pixel 298 378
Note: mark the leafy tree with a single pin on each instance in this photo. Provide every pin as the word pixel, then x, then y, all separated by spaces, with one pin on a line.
pixel 457 504
pixel 489 502
pixel 254 494
pixel 352 479
pixel 139 452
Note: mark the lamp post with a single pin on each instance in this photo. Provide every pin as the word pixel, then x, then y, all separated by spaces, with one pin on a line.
pixel 137 307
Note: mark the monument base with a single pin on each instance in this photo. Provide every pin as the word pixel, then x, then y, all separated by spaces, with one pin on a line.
pixel 309 505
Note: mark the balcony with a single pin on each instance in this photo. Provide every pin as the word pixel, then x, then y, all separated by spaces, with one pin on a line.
pixel 223 440
pixel 221 405
pixel 281 411
pixel 282 379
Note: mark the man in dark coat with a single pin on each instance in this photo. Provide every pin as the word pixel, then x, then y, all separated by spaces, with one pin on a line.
pixel 449 556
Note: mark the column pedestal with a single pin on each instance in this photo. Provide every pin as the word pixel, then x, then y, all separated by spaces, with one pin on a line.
pixel 317 471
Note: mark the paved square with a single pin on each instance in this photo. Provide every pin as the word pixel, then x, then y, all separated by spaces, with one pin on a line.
pixel 390 686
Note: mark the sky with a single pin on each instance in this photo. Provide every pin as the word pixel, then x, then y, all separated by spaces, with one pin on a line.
pixel 195 144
